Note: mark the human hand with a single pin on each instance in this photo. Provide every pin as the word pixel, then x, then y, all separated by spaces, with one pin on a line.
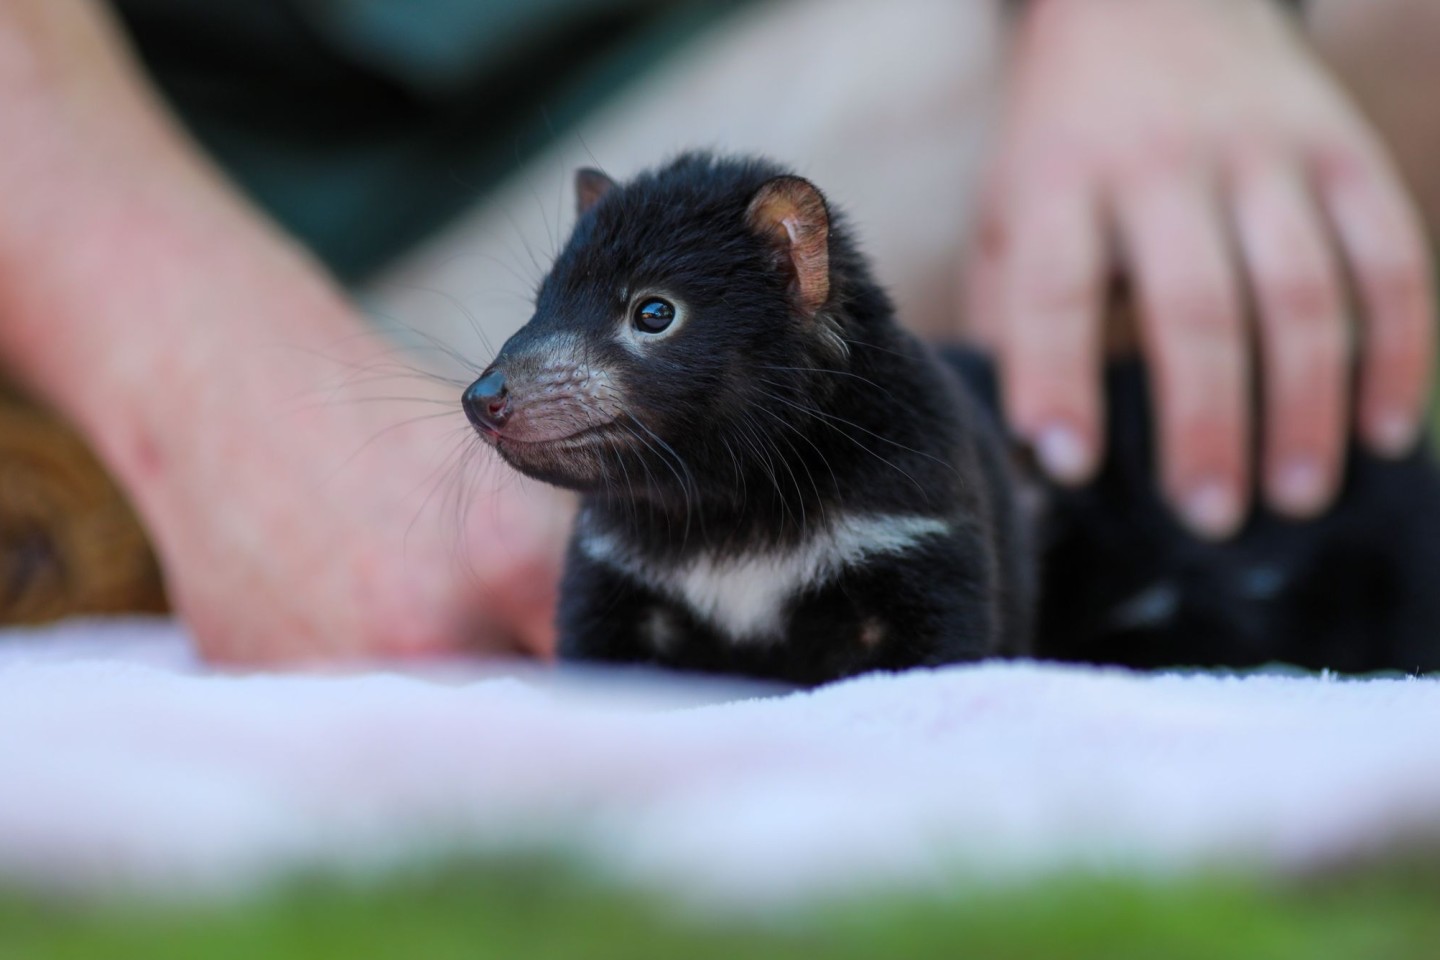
pixel 355 519
pixel 1197 149
pixel 301 512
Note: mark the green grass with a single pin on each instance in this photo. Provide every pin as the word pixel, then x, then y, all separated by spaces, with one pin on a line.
pixel 505 910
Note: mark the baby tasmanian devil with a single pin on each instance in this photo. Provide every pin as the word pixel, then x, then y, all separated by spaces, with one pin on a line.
pixel 777 480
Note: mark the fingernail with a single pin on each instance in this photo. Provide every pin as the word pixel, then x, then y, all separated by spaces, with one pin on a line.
pixel 1062 454
pixel 1299 487
pixel 1212 509
pixel 1393 434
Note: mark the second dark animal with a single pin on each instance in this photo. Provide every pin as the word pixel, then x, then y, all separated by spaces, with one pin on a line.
pixel 1356 590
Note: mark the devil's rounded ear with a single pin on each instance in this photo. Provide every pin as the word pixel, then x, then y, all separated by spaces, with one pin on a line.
pixel 590 186
pixel 790 214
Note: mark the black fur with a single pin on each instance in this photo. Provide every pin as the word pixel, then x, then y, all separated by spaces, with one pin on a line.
pixel 1356 590
pixel 750 429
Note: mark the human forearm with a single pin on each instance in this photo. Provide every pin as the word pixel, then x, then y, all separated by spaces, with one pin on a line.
pixel 121 253
pixel 299 509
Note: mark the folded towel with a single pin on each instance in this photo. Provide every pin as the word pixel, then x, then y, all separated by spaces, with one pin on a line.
pixel 124 761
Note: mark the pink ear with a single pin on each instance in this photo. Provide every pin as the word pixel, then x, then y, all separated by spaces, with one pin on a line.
pixel 790 213
pixel 590 186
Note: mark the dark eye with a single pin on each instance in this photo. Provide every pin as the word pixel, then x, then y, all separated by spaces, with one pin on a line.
pixel 654 315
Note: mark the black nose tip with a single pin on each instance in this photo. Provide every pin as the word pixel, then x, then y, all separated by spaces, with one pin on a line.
pixel 487 402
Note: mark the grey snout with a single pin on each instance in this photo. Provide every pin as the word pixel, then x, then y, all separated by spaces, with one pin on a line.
pixel 535 391
pixel 487 402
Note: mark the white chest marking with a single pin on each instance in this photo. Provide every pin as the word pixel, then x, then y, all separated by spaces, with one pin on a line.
pixel 746 597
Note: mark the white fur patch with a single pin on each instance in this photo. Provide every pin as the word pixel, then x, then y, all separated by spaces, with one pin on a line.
pixel 746 597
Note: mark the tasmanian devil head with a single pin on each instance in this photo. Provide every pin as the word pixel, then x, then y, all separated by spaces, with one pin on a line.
pixel 672 331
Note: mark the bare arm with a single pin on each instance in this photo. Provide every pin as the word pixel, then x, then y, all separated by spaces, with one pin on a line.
pixel 213 365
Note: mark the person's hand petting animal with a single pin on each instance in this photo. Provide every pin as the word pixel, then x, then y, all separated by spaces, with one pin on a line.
pixel 298 512
pixel 1199 150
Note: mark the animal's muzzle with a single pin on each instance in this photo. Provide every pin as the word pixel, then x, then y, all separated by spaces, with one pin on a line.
pixel 487 402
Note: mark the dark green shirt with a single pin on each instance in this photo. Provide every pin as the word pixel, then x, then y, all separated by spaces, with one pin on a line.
pixel 364 125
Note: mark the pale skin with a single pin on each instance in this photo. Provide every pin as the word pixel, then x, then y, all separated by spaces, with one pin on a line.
pixel 1203 151
pixel 214 367
pixel 299 508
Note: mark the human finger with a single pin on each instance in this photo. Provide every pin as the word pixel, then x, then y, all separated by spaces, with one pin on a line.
pixel 1194 342
pixel 1380 235
pixel 1050 344
pixel 1303 336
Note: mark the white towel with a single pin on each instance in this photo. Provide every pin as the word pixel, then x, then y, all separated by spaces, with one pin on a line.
pixel 123 761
